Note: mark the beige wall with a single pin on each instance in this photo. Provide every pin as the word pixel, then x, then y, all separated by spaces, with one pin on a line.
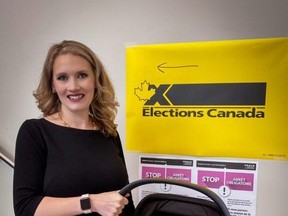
pixel 27 29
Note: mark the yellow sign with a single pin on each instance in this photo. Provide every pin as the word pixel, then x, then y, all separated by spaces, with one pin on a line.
pixel 219 98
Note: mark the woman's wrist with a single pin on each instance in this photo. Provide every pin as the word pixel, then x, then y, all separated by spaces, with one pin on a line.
pixel 93 198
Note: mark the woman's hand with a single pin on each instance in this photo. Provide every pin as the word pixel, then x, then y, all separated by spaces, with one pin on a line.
pixel 108 203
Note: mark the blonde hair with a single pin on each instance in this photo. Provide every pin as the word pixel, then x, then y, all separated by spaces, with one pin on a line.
pixel 103 108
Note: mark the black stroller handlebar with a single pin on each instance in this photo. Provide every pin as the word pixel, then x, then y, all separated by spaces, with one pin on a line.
pixel 218 201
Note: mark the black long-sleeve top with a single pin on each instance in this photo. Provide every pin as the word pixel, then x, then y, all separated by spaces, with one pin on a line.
pixel 56 161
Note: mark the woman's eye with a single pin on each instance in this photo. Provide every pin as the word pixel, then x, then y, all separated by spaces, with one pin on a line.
pixel 82 75
pixel 62 78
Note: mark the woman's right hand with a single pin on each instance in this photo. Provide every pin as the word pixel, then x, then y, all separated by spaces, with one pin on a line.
pixel 108 203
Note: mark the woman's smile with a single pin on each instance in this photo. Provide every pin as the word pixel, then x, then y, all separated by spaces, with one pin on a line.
pixel 75 97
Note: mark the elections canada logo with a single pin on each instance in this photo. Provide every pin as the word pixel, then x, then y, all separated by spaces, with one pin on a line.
pixel 214 100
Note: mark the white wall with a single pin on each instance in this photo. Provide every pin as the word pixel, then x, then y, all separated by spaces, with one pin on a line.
pixel 27 29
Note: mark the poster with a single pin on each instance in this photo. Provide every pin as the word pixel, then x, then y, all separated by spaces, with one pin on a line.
pixel 235 182
pixel 215 98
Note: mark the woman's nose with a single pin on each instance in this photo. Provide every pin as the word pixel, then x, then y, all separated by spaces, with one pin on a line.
pixel 73 85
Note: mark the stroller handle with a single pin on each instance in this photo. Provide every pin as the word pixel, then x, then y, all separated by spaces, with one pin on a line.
pixel 218 201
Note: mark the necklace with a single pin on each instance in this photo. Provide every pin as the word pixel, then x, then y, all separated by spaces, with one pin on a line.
pixel 67 125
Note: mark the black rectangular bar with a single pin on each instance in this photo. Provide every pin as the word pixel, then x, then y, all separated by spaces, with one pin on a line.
pixel 218 94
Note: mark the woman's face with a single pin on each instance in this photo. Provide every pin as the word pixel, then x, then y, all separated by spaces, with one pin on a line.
pixel 74 82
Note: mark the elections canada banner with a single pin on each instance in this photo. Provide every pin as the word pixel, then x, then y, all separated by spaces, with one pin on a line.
pixel 214 98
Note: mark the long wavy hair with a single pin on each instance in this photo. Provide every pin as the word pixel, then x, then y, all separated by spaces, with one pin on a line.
pixel 103 108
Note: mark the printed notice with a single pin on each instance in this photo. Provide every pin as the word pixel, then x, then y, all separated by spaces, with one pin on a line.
pixel 234 181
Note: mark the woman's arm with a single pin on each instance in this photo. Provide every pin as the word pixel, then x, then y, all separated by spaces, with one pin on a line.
pixel 30 163
pixel 108 203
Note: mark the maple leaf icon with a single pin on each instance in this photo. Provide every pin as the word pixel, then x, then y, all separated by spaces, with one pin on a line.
pixel 145 92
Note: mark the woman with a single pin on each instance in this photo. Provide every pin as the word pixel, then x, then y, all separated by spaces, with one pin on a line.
pixel 70 161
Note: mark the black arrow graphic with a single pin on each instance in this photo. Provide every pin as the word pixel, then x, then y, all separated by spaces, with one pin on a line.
pixel 161 66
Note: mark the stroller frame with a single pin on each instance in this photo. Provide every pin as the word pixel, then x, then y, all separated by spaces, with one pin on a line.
pixel 209 193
